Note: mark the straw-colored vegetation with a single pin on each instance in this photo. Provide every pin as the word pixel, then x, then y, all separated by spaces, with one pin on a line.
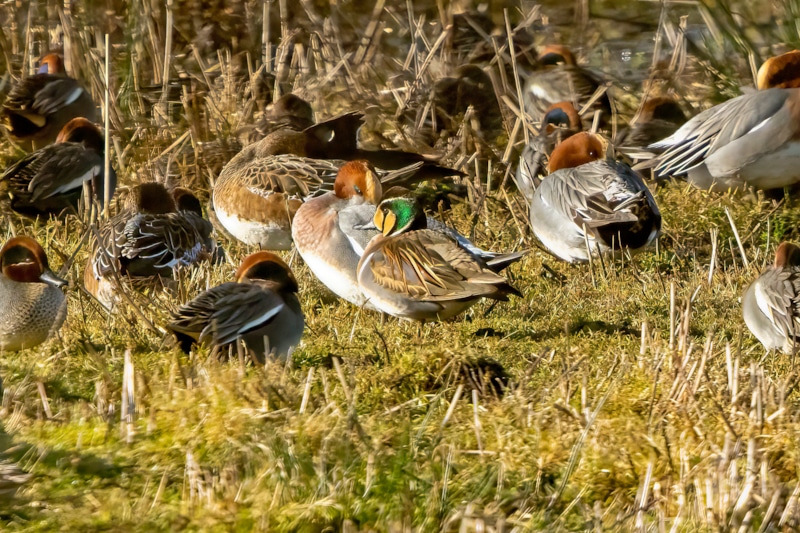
pixel 627 394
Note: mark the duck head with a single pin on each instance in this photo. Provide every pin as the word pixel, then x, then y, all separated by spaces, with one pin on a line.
pixel 290 105
pixel 358 178
pixel 185 200
pixel 81 130
pixel 399 215
pixel 561 115
pixel 781 71
pixel 267 267
pixel 51 63
pixel 556 54
pixel 23 260
pixel 151 198
pixel 577 150
pixel 787 255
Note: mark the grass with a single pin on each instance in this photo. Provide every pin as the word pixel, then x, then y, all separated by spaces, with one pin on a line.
pixel 619 396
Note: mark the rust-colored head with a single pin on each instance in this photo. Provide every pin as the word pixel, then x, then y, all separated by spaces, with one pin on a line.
pixel 561 115
pixel 577 150
pixel 151 198
pixel 52 63
pixel 81 130
pixel 661 108
pixel 787 255
pixel 23 260
pixel 185 200
pixel 781 71
pixel 358 178
pixel 556 54
pixel 266 266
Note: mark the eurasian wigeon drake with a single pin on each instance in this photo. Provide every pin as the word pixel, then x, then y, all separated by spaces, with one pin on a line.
pixel 332 231
pixel 39 106
pixel 587 198
pixel 559 122
pixel 148 239
pixel 32 304
pixel 50 180
pixel 748 141
pixel 771 304
pixel 259 191
pixel 415 273
pixel 260 307
pixel 322 237
pixel 559 79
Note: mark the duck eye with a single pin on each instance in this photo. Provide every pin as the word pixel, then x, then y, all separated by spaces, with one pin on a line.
pixel 357 189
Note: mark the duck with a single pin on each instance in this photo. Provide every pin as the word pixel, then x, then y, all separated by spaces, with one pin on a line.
pixel 560 122
pixel 658 117
pixel 260 306
pixel 260 190
pixel 32 305
pixel 451 97
pixel 323 229
pixel 589 199
pixel 331 231
pixel 414 273
pixel 747 141
pixel 38 107
pixel 771 304
pixel 289 111
pixel 155 233
pixel 49 181
pixel 558 79
pixel 194 163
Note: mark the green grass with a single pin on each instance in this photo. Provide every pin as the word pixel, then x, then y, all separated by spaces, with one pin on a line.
pixel 550 411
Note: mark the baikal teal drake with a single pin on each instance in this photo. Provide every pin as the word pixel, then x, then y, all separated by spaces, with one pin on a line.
pixel 415 273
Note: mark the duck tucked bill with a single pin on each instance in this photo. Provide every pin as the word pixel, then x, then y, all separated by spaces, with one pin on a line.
pixel 260 307
pixel 771 304
pixel 148 239
pixel 40 105
pixel 590 202
pixel 50 180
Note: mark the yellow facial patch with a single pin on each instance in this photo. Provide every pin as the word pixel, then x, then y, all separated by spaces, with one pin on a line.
pixel 389 223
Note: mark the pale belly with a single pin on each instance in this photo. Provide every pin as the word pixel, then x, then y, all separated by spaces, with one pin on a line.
pixel 340 281
pixel 269 236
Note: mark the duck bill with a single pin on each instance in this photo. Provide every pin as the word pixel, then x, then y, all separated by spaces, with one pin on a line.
pixel 51 279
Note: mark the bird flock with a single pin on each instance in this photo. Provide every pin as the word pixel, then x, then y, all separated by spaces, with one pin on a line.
pixel 352 217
